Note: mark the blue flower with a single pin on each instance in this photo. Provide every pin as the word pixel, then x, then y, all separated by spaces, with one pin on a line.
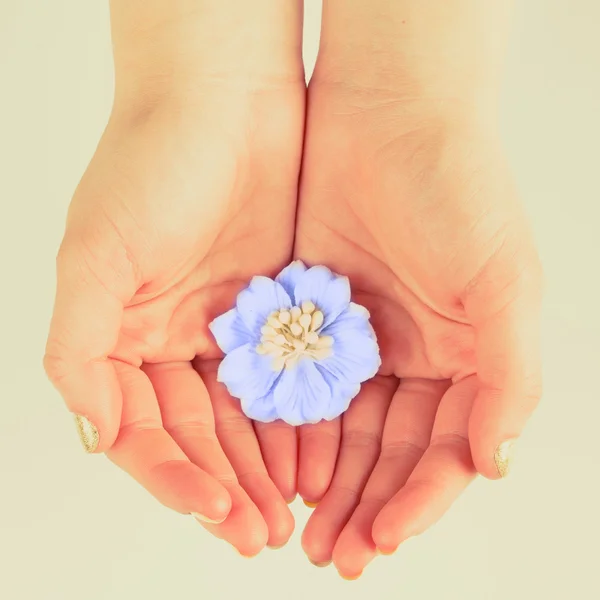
pixel 296 348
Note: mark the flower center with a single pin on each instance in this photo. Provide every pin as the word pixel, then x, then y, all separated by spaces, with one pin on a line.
pixel 289 335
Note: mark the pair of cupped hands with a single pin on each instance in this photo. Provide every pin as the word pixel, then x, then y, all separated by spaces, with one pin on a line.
pixel 191 194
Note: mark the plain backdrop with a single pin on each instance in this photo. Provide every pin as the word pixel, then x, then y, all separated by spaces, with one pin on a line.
pixel 74 527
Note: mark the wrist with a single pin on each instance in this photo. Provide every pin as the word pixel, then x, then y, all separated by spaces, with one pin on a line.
pixel 450 54
pixel 177 50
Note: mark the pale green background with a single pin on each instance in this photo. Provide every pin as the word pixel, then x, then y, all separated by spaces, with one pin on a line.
pixel 74 527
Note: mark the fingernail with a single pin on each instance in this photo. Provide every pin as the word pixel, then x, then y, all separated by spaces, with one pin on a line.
pixel 276 547
pixel 386 552
pixel 88 434
pixel 291 501
pixel 205 519
pixel 321 564
pixel 350 578
pixel 310 504
pixel 503 457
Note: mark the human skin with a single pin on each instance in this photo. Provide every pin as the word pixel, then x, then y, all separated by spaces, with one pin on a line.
pixel 405 189
pixel 161 235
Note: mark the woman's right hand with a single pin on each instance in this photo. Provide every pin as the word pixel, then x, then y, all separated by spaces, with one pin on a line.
pixel 192 190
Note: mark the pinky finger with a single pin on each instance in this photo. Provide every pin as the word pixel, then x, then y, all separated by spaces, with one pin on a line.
pixel 444 471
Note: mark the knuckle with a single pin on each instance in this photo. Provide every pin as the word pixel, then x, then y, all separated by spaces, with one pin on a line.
pixel 55 367
pixel 362 439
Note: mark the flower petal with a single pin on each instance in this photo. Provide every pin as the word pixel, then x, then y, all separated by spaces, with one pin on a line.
pixel 246 374
pixel 355 356
pixel 301 394
pixel 290 276
pixel 355 317
pixel 342 393
pixel 262 297
pixel 329 292
pixel 262 409
pixel 229 331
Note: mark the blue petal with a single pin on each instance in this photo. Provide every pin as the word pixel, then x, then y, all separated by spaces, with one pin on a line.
pixel 246 374
pixel 263 409
pixel 229 331
pixel 290 276
pixel 262 297
pixel 355 355
pixel 329 292
pixel 355 317
pixel 342 393
pixel 301 394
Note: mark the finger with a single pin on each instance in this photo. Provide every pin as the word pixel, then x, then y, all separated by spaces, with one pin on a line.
pixel 406 435
pixel 318 447
pixel 188 416
pixel 362 426
pixel 443 472
pixel 279 447
pixel 90 295
pixel 507 330
pixel 237 437
pixel 149 454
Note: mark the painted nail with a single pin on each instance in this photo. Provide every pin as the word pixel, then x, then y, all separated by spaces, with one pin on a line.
pixel 276 547
pixel 350 578
pixel 291 501
pixel 88 434
pixel 503 457
pixel 204 519
pixel 322 564
pixel 386 552
pixel 310 504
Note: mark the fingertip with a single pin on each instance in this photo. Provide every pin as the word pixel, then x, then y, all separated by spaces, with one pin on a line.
pixel 255 543
pixel 94 398
pixel 389 532
pixel 492 450
pixel 281 528
pixel 219 505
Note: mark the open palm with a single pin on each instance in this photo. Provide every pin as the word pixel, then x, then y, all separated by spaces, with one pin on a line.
pixel 419 212
pixel 161 235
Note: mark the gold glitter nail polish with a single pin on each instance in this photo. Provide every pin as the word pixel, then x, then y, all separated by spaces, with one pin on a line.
pixel 350 578
pixel 503 457
pixel 310 504
pixel 204 519
pixel 322 564
pixel 88 434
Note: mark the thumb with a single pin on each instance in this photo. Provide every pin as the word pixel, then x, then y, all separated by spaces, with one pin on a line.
pixel 504 308
pixel 94 281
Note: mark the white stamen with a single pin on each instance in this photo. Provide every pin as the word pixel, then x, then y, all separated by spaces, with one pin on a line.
pixel 278 363
pixel 308 307
pixel 274 322
pixel 312 337
pixel 280 340
pixel 305 321
pixel 325 341
pixel 322 353
pixel 317 320
pixel 284 317
pixel 296 329
pixel 299 345
pixel 290 335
